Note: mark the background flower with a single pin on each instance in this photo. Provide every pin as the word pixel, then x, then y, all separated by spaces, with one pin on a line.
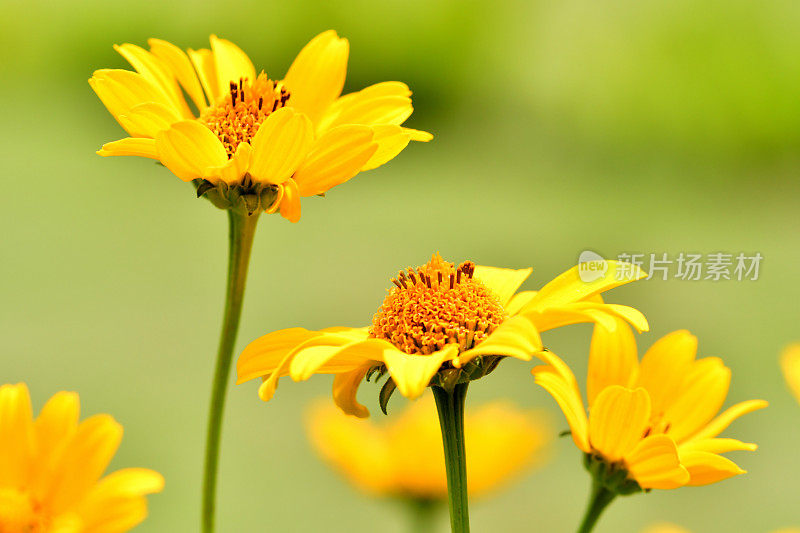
pixel 402 455
pixel 51 469
pixel 289 138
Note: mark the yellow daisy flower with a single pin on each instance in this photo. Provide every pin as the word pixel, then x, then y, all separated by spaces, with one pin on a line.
pixel 402 458
pixel 654 418
pixel 51 469
pixel 790 365
pixel 439 323
pixel 245 139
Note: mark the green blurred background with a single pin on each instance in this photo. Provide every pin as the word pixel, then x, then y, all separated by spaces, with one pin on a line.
pixel 618 126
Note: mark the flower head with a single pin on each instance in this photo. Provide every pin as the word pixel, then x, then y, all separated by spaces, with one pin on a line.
pixel 441 324
pixel 403 458
pixel 252 142
pixel 653 420
pixel 790 365
pixel 51 469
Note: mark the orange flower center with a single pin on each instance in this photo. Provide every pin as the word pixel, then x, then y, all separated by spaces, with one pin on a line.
pixel 435 305
pixel 237 116
pixel 18 513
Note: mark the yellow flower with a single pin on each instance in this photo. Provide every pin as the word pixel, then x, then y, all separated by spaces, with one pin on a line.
pixel 404 458
pixel 790 364
pixel 51 468
pixel 672 528
pixel 460 320
pixel 266 142
pixel 654 419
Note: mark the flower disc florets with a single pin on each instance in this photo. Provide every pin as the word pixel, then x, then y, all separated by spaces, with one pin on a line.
pixel 435 305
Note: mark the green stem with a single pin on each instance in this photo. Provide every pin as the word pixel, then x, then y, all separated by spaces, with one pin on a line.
pixel 450 405
pixel 598 501
pixel 423 514
pixel 242 230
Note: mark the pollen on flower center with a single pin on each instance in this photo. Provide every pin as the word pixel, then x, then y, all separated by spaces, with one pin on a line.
pixel 237 116
pixel 435 305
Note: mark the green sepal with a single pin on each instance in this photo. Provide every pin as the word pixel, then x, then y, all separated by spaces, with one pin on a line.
pixel 386 393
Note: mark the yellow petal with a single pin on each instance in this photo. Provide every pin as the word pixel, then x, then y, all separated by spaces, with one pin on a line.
pixel 130 146
pixel 413 373
pixel 155 71
pixel 568 287
pixel 345 388
pixel 556 317
pixel 262 356
pixel 356 448
pixel 419 135
pixel 378 90
pixel 122 90
pixel 503 282
pixel 231 64
pixel 180 66
pixel 515 337
pixel 54 427
pixel 391 141
pixel 704 391
pixel 290 201
pixel 117 504
pixel 146 120
pixel 336 359
pixel 188 149
pixel 706 468
pixel 334 158
pixel 664 367
pixel 790 365
pixel 83 461
pixel 374 111
pixel 278 366
pixel 717 445
pixel 613 359
pixel 654 464
pixel 234 170
pixel 718 425
pixel 519 301
pixel 280 145
pixel 617 421
pixel 128 482
pixel 16 434
pixel 116 516
pixel 205 65
pixel 317 75
pixel 568 397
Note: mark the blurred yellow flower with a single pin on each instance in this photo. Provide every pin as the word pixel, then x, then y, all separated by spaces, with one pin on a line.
pixel 672 528
pixel 271 142
pixel 460 320
pixel 404 457
pixel 51 468
pixel 790 364
pixel 654 418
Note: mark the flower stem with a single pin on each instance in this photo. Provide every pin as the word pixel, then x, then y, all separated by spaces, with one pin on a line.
pixel 598 501
pixel 242 229
pixel 450 405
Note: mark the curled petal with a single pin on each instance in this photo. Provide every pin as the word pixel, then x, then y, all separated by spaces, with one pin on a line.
pixel 654 464
pixel 413 373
